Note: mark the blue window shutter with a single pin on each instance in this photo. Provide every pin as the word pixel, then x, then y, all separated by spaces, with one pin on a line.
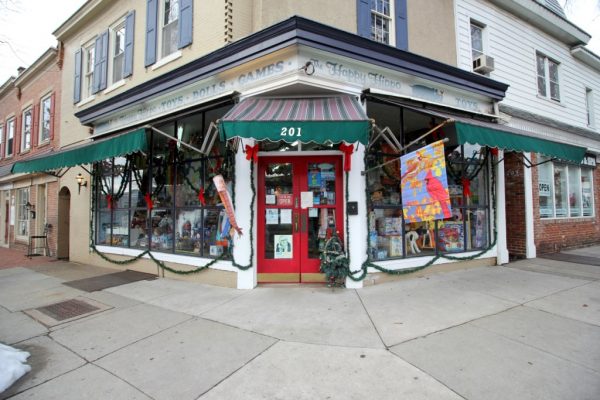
pixel 97 65
pixel 77 82
pixel 103 61
pixel 129 33
pixel 151 31
pixel 401 25
pixel 186 17
pixel 363 17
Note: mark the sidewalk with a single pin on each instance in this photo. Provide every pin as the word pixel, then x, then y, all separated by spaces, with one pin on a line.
pixel 528 330
pixel 15 258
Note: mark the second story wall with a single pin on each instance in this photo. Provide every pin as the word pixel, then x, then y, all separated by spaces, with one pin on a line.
pixel 431 29
pixel 515 46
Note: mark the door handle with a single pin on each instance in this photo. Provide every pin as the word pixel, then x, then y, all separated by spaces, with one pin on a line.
pixel 295 222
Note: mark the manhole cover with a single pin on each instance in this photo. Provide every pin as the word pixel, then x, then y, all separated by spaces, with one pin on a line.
pixel 67 309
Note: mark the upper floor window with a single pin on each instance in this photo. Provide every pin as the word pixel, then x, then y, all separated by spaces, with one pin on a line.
pixel 169 26
pixel 589 107
pixel 45 118
pixel 547 77
pixel 476 39
pixel 89 56
pixel 10 135
pixel 26 130
pixel 1 138
pixel 22 228
pixel 381 21
pixel 118 52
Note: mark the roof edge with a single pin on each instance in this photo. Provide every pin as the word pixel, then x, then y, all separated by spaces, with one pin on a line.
pixel 31 71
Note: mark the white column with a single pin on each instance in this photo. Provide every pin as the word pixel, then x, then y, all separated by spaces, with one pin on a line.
pixel 357 224
pixel 502 250
pixel 243 209
pixel 530 250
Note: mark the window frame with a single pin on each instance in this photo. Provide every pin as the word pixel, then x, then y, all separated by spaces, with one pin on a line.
pixel 10 140
pixel 22 213
pixel 482 28
pixel 374 13
pixel 114 30
pixel 41 139
pixel 26 131
pixel 569 169
pixel 162 27
pixel 1 140
pixel 87 68
pixel 548 62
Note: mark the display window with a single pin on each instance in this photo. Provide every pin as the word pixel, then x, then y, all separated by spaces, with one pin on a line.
pixel 166 200
pixel 391 234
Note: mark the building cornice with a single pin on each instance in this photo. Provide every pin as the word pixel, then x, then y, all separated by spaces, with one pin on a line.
pixel 546 20
pixel 6 86
pixel 79 18
pixel 586 56
pixel 298 31
pixel 36 68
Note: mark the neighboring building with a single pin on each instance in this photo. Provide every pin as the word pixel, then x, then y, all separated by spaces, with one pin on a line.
pixel 29 118
pixel 161 97
pixel 555 94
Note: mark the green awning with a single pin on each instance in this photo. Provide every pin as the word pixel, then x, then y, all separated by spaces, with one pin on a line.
pixel 486 134
pixel 88 153
pixel 319 120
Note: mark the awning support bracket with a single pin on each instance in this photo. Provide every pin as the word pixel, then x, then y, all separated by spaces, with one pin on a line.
pixel 189 146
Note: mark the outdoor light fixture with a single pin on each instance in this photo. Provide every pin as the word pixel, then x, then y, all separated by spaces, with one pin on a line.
pixel 31 208
pixel 80 181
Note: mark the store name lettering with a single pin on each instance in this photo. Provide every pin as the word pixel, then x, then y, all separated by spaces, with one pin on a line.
pixel 357 76
pixel 261 73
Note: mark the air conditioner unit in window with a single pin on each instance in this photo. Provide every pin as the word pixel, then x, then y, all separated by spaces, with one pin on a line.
pixel 483 64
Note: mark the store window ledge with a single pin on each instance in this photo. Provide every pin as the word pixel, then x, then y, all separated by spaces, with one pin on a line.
pixel 415 262
pixel 224 265
pixel 166 60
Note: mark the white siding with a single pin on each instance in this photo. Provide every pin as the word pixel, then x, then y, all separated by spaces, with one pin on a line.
pixel 513 44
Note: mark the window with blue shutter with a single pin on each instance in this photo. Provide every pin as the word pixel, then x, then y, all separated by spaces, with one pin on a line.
pixel 401 25
pixel 77 82
pixel 376 21
pixel 186 14
pixel 104 61
pixel 97 68
pixel 363 16
pixel 151 25
pixel 129 34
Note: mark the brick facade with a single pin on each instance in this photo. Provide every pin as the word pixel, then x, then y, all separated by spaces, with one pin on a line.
pixel 551 235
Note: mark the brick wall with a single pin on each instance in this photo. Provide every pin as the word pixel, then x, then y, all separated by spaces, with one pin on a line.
pixel 515 205
pixel 552 235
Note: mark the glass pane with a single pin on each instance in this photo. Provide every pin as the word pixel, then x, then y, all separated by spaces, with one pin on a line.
pixel 120 231
pixel 554 91
pixel 477 221
pixel 162 230
pixel 476 40
pixel 541 70
pixel 105 182
pixel 385 234
pixel 451 234
pixel 574 192
pixel 553 71
pixel 163 178
pixel 138 233
pixel 278 184
pixel 139 181
pixel 560 190
pixel 541 86
pixel 321 226
pixel 545 189
pixel 189 130
pixel 189 183
pixel 321 181
pixel 103 227
pixel 278 146
pixel 214 166
pixel 587 192
pixel 216 227
pixel 188 237
pixel 121 183
pixel 278 235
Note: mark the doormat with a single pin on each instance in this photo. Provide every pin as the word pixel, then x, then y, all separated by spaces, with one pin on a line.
pixel 66 311
pixel 572 258
pixel 109 280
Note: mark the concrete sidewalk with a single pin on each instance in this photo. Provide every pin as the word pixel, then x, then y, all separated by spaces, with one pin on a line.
pixel 528 330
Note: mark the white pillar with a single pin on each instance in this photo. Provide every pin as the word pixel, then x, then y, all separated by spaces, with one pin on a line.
pixel 357 224
pixel 530 250
pixel 243 209
pixel 502 250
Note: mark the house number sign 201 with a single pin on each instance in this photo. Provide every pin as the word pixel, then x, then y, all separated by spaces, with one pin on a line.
pixel 296 132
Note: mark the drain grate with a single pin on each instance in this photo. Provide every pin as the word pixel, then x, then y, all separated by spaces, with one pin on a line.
pixel 67 309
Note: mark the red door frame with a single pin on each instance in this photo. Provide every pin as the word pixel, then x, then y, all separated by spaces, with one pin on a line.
pixel 300 268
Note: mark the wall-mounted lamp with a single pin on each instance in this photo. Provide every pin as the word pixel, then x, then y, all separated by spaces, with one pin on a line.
pixel 31 208
pixel 80 181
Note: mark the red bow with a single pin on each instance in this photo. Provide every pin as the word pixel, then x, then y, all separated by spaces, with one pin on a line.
pixel 494 151
pixel 252 152
pixel 466 184
pixel 148 199
pixel 109 201
pixel 201 196
pixel 347 149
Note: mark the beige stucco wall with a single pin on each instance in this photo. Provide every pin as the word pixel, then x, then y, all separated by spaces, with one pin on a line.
pixel 431 30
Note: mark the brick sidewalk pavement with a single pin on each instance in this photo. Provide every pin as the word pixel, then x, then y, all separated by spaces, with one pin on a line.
pixel 10 258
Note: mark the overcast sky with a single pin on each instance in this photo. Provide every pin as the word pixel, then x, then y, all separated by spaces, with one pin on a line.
pixel 26 28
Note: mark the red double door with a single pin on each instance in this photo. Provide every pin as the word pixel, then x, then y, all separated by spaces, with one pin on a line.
pixel 300 205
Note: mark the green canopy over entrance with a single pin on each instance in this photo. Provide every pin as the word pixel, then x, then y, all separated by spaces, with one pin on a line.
pixel 319 120
pixel 88 153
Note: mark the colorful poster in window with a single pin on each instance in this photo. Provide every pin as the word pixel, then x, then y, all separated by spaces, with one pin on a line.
pixel 451 236
pixel 283 246
pixel 424 184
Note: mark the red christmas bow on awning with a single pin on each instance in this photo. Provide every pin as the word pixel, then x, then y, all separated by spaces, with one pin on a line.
pixel 494 151
pixel 148 199
pixel 347 149
pixel 201 196
pixel 252 152
pixel 466 184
